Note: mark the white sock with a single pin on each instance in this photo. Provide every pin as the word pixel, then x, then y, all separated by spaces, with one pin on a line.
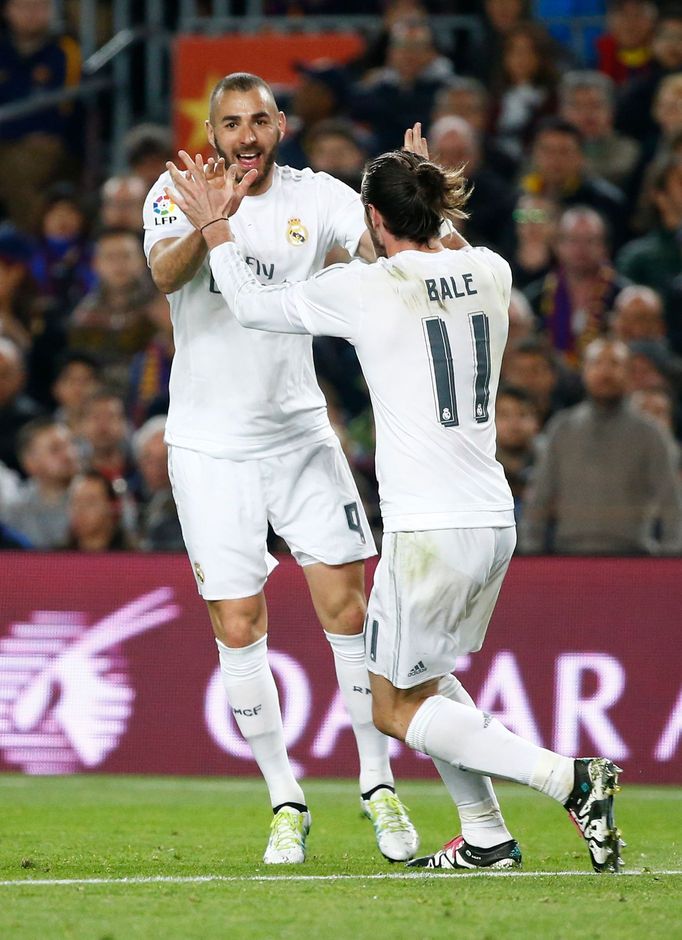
pixel 482 824
pixel 252 696
pixel 351 672
pixel 473 740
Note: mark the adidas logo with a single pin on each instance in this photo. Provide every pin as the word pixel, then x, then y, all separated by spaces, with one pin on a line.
pixel 417 670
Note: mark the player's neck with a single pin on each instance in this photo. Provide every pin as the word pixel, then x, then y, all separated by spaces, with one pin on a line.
pixel 394 246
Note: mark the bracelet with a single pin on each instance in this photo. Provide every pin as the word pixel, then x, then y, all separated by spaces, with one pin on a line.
pixel 222 218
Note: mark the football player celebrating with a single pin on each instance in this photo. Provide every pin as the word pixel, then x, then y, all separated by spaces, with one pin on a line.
pixel 429 325
pixel 250 443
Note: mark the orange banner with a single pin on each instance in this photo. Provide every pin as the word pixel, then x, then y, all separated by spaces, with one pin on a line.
pixel 200 62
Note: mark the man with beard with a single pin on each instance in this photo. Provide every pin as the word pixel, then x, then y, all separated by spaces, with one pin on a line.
pixel 250 443
pixel 605 483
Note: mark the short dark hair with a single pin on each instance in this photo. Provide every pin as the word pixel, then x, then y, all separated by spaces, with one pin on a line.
pixel 116 231
pixel 557 125
pixel 413 195
pixel 147 140
pixel 333 127
pixel 30 431
pixel 519 395
pixel 238 81
pixel 536 346
pixel 103 394
pixel 72 356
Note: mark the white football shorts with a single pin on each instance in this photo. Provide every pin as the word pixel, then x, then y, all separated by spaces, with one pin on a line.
pixel 433 596
pixel 308 496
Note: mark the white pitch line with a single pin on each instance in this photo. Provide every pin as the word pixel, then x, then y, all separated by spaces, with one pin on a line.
pixel 400 876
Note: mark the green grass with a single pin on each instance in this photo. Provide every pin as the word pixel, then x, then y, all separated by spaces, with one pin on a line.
pixel 114 827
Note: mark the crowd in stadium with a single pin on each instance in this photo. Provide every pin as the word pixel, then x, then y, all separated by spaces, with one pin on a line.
pixel 576 169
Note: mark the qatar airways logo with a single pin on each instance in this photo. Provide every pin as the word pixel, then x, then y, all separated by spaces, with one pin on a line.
pixel 65 693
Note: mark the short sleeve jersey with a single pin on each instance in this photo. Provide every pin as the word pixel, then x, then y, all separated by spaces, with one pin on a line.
pixel 235 392
pixel 429 329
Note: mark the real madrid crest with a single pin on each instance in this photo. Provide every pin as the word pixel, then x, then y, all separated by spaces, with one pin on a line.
pixel 297 233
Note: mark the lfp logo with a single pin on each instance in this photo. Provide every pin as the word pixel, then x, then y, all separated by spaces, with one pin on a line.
pixel 164 207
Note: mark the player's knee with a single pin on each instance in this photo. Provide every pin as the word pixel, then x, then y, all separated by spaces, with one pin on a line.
pixel 236 626
pixel 346 614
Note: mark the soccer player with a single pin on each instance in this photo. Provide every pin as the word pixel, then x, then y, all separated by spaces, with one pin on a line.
pixel 250 443
pixel 429 325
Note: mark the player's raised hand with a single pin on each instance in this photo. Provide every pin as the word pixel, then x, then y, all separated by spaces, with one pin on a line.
pixel 207 193
pixel 214 171
pixel 415 143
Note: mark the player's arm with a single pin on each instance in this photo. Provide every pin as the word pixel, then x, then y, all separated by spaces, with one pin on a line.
pixel 322 306
pixel 175 261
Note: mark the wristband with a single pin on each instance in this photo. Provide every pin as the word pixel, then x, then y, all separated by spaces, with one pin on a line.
pixel 222 218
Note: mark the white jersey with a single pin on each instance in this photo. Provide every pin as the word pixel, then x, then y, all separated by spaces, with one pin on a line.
pixel 429 329
pixel 234 392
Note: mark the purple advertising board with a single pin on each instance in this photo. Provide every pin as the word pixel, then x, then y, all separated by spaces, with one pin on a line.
pixel 107 665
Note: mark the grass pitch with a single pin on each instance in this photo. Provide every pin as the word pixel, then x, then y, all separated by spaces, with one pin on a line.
pixel 198 843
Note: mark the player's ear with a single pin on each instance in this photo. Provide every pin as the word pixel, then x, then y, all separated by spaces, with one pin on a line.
pixel 281 122
pixel 209 133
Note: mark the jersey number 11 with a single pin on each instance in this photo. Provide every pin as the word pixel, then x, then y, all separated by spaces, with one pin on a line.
pixel 443 371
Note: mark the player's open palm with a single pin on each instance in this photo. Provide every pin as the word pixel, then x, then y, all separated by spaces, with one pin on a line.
pixel 206 192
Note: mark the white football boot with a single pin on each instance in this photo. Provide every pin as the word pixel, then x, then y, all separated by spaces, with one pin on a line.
pixel 288 831
pixel 396 836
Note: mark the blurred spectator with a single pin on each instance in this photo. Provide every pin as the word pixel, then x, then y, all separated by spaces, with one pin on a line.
pixel 658 145
pixel 320 94
pixel 335 147
pixel 150 369
pixel 522 323
pixel 559 171
pixel 655 259
pixel 94 516
pixel 624 51
pixel 658 404
pixel 531 255
pixel 525 88
pixel 605 483
pixel 652 366
pixel 61 264
pixel 147 147
pixel 115 321
pixel 159 526
pixel 467 98
pixel 393 11
pixel 35 149
pixel 634 115
pixel 62 273
pixel 76 380
pixel 485 50
pixel 16 409
pixel 587 101
pixel 401 93
pixel 573 300
pixel 454 143
pixel 104 430
pixel 122 199
pixel 50 461
pixel 516 422
pixel 533 367
pixel 637 315
pixel 17 294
